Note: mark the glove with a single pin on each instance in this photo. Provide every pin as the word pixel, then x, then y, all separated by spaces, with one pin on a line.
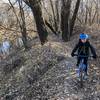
pixel 72 54
pixel 94 57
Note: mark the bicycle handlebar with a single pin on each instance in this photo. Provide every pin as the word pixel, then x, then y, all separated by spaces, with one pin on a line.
pixel 81 55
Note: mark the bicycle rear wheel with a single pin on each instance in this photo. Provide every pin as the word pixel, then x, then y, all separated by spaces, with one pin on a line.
pixel 81 77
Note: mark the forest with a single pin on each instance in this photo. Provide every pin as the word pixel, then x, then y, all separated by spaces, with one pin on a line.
pixel 36 41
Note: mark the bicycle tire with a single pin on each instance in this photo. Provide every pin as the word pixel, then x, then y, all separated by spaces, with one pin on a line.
pixel 81 77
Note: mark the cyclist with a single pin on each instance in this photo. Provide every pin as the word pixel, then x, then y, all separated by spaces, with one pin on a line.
pixel 83 48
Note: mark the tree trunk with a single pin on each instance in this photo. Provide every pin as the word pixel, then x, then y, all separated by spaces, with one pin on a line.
pixel 23 26
pixel 57 14
pixel 86 15
pixel 50 27
pixel 37 13
pixel 54 17
pixel 65 14
pixel 74 16
pixel 21 22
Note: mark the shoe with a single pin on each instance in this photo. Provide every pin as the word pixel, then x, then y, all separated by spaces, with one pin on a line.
pixel 78 75
pixel 77 72
pixel 77 65
pixel 87 74
pixel 85 77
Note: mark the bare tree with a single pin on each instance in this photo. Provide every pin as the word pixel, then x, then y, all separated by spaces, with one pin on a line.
pixel 57 4
pixel 74 16
pixel 90 13
pixel 65 14
pixel 51 20
pixel 54 16
pixel 37 13
pixel 21 22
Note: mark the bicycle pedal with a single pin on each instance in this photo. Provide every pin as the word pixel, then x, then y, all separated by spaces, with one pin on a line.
pixel 85 77
pixel 78 78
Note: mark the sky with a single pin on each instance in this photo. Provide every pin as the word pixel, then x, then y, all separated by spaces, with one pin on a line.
pixel 5 1
pixel 2 1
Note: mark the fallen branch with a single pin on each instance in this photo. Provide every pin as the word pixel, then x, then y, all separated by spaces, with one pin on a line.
pixel 50 27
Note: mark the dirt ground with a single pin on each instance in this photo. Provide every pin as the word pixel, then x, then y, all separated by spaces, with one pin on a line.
pixel 48 72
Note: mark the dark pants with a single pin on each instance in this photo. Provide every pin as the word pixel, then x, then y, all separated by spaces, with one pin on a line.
pixel 85 62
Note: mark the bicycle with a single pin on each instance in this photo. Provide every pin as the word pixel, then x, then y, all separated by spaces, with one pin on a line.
pixel 82 67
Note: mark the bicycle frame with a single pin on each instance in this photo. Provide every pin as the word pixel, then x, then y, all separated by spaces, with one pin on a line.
pixel 81 68
pixel 81 71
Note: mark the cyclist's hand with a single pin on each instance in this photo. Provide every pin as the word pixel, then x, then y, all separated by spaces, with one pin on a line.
pixel 94 57
pixel 72 54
